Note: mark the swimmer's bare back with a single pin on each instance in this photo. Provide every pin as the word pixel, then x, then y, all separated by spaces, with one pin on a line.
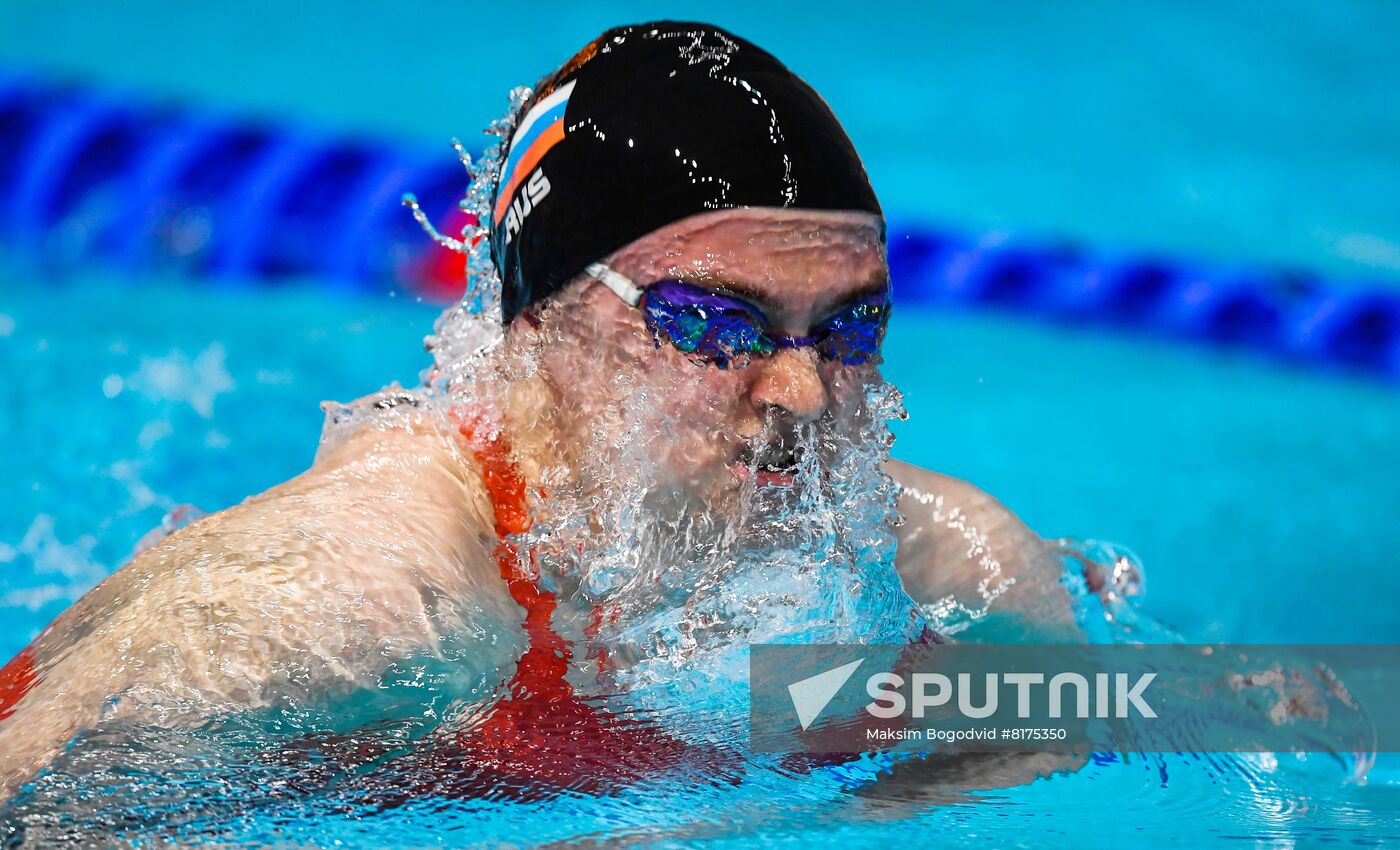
pixel 382 551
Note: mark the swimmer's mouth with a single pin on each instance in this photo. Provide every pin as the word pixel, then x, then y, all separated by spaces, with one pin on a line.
pixel 773 465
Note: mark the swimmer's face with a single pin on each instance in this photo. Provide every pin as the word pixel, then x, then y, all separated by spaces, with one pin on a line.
pixel 702 423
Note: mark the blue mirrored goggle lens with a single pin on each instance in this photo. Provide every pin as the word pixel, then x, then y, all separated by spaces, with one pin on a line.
pixel 715 328
pixel 854 335
pixel 705 324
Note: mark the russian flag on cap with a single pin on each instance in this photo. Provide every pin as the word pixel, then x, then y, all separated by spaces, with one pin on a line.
pixel 542 129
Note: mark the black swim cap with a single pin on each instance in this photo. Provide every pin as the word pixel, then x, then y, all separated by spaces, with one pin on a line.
pixel 650 124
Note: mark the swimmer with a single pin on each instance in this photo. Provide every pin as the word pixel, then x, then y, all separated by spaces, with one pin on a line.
pixel 693 295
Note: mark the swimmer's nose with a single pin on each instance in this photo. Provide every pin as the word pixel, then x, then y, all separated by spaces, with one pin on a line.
pixel 789 380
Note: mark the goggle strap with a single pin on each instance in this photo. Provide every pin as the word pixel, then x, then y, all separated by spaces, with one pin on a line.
pixel 620 284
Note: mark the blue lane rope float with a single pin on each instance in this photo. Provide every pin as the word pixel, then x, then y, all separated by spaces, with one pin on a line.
pixel 1294 316
pixel 154 187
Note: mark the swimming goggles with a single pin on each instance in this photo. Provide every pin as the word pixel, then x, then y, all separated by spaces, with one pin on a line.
pixel 716 328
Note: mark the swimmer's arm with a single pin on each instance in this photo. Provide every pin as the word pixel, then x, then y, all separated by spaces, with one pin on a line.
pixel 960 545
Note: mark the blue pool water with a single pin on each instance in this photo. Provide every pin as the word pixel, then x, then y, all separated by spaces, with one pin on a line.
pixel 1260 132
pixel 1262 501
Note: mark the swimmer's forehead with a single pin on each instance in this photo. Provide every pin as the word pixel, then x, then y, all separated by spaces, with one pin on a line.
pixel 771 257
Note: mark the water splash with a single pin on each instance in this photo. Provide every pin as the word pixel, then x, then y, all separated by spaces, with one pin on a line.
pixel 680 601
pixel 1105 581
pixel 176 519
pixel 176 378
pixel 62 570
pixel 467 331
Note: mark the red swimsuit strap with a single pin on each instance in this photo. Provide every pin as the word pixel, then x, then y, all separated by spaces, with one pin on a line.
pixel 16 679
pixel 542 667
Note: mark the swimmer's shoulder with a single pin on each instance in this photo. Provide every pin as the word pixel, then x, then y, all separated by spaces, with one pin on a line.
pixel 933 497
pixel 959 542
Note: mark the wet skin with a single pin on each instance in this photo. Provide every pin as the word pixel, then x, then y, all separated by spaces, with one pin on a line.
pixel 383 549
